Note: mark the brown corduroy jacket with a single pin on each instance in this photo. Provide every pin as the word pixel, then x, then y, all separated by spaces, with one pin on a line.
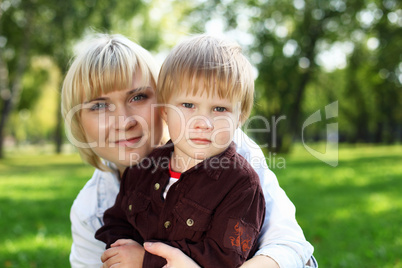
pixel 213 213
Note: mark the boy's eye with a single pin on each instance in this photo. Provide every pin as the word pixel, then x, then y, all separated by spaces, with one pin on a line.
pixel 220 109
pixel 99 106
pixel 188 105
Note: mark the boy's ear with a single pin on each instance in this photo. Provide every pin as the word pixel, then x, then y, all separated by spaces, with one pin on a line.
pixel 239 120
pixel 163 113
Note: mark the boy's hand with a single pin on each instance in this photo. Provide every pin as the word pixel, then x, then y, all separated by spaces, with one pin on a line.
pixel 175 257
pixel 123 253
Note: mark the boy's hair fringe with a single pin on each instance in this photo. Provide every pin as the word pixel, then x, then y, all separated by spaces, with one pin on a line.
pixel 217 62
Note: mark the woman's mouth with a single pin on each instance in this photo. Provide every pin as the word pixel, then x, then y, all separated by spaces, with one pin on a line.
pixel 128 142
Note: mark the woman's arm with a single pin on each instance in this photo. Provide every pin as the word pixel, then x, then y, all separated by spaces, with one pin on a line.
pixel 177 259
pixel 98 194
pixel 85 250
pixel 281 238
pixel 260 261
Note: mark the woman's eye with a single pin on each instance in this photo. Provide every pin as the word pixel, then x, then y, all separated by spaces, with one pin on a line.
pixel 99 106
pixel 188 105
pixel 139 97
pixel 220 109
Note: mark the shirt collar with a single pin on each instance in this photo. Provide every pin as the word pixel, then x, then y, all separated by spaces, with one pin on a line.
pixel 174 174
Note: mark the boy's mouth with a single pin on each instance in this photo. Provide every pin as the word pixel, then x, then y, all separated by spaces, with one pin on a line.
pixel 200 141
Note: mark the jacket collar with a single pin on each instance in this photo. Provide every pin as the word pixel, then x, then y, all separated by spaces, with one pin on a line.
pixel 212 166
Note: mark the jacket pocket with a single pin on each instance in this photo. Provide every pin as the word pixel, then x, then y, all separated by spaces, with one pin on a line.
pixel 137 212
pixel 137 202
pixel 193 219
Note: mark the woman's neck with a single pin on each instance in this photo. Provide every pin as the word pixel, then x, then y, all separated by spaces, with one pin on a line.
pixel 120 171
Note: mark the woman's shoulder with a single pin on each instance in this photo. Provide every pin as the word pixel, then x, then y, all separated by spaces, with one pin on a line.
pixel 97 195
pixel 245 146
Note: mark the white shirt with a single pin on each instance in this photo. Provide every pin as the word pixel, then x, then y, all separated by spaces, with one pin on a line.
pixel 281 237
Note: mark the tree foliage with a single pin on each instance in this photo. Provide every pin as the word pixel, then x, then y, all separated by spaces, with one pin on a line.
pixel 47 27
pixel 307 53
pixel 294 43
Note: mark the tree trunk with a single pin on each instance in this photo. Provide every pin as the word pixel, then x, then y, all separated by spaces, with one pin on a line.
pixel 16 84
pixel 295 110
pixel 5 97
pixel 58 135
pixel 62 63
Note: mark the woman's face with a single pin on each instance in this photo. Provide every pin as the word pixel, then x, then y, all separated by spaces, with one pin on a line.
pixel 123 126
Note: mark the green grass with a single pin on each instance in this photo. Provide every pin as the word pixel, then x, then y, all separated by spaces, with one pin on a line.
pixel 352 213
pixel 36 193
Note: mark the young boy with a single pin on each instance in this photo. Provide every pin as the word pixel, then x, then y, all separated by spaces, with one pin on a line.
pixel 195 193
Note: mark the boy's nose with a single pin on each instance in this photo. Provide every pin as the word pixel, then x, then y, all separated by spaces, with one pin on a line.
pixel 203 122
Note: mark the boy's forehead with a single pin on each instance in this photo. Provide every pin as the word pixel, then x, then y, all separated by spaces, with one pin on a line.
pixel 198 86
pixel 204 84
pixel 202 94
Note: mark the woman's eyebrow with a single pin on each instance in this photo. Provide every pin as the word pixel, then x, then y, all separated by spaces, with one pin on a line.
pixel 96 99
pixel 138 89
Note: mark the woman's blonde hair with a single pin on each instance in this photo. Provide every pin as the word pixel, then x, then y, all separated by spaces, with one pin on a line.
pixel 218 63
pixel 105 63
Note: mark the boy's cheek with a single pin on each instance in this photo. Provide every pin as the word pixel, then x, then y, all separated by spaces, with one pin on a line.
pixel 223 137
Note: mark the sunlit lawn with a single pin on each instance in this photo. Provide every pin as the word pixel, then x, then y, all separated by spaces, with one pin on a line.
pixel 36 193
pixel 352 213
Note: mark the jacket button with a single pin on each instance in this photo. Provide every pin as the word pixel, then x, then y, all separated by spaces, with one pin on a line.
pixel 167 224
pixel 157 186
pixel 130 207
pixel 190 222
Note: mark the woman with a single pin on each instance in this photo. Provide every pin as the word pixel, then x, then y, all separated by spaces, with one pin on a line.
pixel 109 106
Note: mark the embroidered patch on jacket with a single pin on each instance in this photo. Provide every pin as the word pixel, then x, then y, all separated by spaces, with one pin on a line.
pixel 239 236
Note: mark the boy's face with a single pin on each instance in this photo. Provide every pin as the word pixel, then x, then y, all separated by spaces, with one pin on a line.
pixel 200 126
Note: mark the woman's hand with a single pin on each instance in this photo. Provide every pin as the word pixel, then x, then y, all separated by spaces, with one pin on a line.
pixel 175 258
pixel 123 253
pixel 260 261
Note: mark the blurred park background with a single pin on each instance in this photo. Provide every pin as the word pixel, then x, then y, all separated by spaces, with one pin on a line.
pixel 308 55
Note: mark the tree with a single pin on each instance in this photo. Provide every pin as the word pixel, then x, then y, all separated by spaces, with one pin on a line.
pixel 286 41
pixel 46 27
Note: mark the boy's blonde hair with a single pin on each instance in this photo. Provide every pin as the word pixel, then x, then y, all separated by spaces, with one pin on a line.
pixel 105 63
pixel 219 63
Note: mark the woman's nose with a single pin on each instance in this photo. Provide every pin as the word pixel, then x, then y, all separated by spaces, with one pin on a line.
pixel 124 120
